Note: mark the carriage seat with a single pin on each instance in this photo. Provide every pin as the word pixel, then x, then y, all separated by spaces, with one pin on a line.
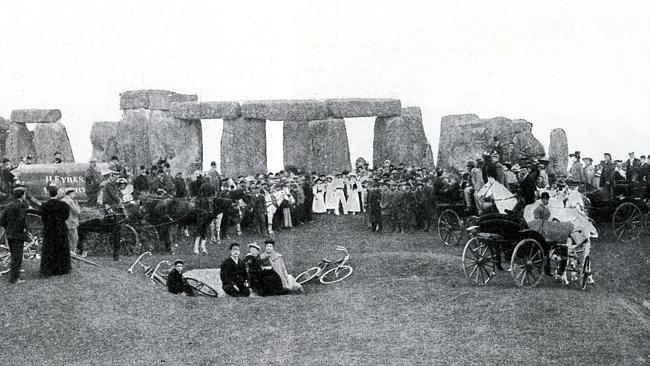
pixel 490 237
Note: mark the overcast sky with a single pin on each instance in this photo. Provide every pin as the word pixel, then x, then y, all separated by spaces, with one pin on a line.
pixel 580 65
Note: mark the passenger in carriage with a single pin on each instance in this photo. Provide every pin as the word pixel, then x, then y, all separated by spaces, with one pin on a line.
pixel 553 231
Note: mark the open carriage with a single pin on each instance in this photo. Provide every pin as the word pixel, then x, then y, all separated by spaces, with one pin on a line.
pixel 508 236
pixel 505 239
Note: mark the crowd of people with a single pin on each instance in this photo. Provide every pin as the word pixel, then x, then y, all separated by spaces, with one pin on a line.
pixel 393 198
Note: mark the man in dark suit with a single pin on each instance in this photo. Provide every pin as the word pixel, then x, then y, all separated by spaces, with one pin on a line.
pixel 632 168
pixel 258 206
pixel 233 274
pixel 140 183
pixel 307 188
pixel 13 220
pixel 176 284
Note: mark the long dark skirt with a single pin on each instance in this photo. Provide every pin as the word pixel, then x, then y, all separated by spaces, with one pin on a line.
pixel 55 254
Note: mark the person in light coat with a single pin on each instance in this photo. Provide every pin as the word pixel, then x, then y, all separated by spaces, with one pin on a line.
pixel 318 205
pixel 354 194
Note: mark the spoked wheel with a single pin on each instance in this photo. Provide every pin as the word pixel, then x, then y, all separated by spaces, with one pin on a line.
pixel 307 275
pixel 527 263
pixel 586 272
pixel 5 258
pixel 200 288
pixel 627 222
pixel 336 274
pixel 449 227
pixel 129 241
pixel 478 263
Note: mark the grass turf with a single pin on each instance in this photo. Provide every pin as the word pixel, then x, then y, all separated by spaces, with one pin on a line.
pixel 406 303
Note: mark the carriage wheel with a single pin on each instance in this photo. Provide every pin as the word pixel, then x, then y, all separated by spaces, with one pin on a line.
pixel 527 263
pixel 627 222
pixel 478 263
pixel 129 241
pixel 449 227
pixel 586 272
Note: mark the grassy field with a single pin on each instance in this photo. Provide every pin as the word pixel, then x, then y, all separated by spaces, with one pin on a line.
pixel 407 302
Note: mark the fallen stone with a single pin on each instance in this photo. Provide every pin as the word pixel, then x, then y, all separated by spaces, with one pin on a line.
pixel 50 138
pixel 401 139
pixel 467 137
pixel 20 143
pixel 363 107
pixel 243 147
pixel 284 110
pixel 35 115
pixel 153 99
pixel 327 146
pixel 558 153
pixel 295 139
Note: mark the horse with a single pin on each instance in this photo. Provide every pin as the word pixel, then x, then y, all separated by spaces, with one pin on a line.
pixel 165 213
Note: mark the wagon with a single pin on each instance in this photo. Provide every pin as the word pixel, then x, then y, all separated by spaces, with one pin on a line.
pixel 626 211
pixel 508 236
pixel 453 222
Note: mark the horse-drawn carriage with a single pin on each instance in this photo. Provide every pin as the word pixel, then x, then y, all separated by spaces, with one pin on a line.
pixel 624 208
pixel 507 237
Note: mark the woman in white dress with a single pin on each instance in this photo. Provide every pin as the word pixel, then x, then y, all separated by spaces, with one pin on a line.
pixel 318 205
pixel 331 201
pixel 354 188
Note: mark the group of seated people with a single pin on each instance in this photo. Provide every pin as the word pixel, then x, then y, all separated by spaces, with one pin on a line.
pixel 262 272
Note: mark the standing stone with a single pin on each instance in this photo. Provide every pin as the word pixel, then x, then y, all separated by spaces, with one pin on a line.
pixel 243 147
pixel 466 137
pixel 401 139
pixel 558 153
pixel 328 150
pixel 295 139
pixel 4 132
pixel 104 138
pixel 526 145
pixel 177 140
pixel 20 143
pixel 50 138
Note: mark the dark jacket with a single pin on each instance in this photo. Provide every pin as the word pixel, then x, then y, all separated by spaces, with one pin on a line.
pixel 528 188
pixel 140 183
pixel 111 194
pixel 233 273
pixel 175 282
pixel 14 220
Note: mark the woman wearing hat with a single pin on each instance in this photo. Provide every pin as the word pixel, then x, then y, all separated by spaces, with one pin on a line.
pixel 318 204
pixel 263 279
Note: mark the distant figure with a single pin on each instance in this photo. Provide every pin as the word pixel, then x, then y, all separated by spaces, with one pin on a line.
pixel 140 183
pixel 55 257
pixel 57 158
pixel 632 168
pixel 93 179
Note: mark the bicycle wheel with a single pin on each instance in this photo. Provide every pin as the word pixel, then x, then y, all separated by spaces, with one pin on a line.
pixel 200 288
pixel 336 274
pixel 307 275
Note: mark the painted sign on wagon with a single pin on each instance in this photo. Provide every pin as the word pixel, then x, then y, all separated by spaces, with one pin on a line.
pixel 36 177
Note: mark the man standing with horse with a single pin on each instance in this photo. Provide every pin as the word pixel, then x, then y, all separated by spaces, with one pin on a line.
pixel 14 221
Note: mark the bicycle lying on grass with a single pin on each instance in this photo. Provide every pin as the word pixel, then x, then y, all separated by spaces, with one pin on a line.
pixel 332 275
pixel 200 288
